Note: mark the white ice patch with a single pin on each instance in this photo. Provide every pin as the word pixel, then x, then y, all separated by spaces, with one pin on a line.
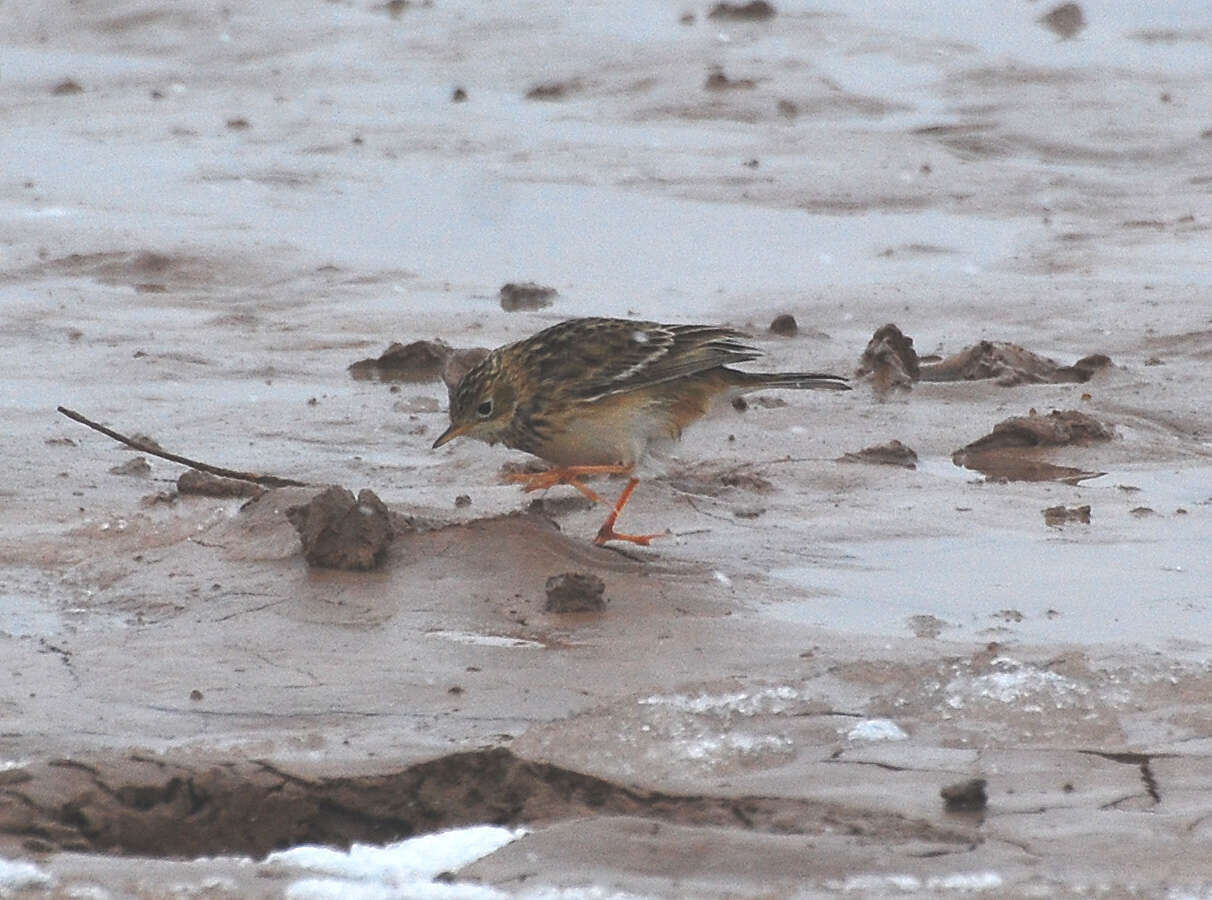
pixel 705 728
pixel 883 885
pixel 592 892
pixel 94 892
pixel 965 882
pixel 877 885
pixel 403 869
pixel 877 730
pixel 1016 682
pixel 209 886
pixel 769 700
pixel 640 337
pixel 16 875
pixel 483 640
pixel 719 746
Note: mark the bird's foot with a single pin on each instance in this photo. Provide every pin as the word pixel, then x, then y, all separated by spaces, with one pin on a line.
pixel 607 533
pixel 569 475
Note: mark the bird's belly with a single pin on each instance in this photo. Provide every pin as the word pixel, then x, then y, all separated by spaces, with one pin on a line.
pixel 607 433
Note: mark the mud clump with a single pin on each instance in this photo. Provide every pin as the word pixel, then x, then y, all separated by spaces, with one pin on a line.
pixel 785 326
pixel 1010 451
pixel 138 467
pixel 747 481
pixel 717 80
pixel 1056 516
pixel 575 592
pixel 526 295
pixel 339 532
pixel 890 360
pixel 552 90
pixel 551 508
pixel 1057 429
pixel 66 87
pixel 458 95
pixel 1009 364
pixel 754 11
pixel 203 484
pixel 419 361
pixel 1065 21
pixel 893 453
pixel 965 796
pixel 926 627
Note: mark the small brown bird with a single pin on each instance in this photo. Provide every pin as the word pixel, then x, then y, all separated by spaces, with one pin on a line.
pixel 593 396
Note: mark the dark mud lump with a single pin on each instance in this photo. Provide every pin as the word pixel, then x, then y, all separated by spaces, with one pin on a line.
pixel 339 532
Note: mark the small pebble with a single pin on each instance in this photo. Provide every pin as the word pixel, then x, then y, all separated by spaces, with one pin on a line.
pixel 575 592
pixel 965 796
pixel 785 326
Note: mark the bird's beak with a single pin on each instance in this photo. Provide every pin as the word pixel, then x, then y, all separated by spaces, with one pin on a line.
pixel 449 435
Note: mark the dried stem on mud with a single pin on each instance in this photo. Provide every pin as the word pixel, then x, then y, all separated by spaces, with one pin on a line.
pixel 144 447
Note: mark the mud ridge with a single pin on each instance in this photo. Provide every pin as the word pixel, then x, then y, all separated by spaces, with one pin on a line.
pixel 1144 761
pixel 152 807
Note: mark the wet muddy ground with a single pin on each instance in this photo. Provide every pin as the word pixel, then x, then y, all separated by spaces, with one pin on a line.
pixel 210 215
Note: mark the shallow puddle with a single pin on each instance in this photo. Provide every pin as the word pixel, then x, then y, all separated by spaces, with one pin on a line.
pixel 1046 587
pixel 1136 579
pixel 31 604
pixel 664 240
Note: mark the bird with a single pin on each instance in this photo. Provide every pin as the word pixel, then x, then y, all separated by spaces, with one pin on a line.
pixel 597 396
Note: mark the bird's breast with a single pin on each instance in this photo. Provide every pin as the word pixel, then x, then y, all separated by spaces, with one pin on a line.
pixel 615 430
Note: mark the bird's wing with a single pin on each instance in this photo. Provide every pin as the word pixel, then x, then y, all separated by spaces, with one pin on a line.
pixel 594 358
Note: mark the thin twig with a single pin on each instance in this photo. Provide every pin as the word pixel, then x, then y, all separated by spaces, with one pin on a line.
pixel 144 447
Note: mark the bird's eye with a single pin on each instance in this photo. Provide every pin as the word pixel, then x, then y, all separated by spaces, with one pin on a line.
pixel 484 410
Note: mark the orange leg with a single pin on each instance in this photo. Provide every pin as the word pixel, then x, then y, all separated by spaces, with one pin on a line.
pixel 607 532
pixel 570 475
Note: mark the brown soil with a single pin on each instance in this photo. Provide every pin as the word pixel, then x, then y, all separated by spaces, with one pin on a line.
pixel 1009 364
pixel 889 360
pixel 893 453
pixel 203 484
pixel 418 361
pixel 526 296
pixel 784 325
pixel 165 807
pixel 340 532
pixel 1060 515
pixel 1016 448
pixel 813 634
pixel 575 592
pixel 754 11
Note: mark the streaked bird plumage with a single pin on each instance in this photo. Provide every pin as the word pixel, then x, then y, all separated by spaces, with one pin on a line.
pixel 598 392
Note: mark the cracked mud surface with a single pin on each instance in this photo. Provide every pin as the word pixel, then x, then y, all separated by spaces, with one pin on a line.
pixel 211 214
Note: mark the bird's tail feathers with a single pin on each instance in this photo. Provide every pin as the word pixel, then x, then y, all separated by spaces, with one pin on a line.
pixel 810 381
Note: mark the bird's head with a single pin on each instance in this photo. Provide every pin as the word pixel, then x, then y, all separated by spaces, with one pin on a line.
pixel 481 404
